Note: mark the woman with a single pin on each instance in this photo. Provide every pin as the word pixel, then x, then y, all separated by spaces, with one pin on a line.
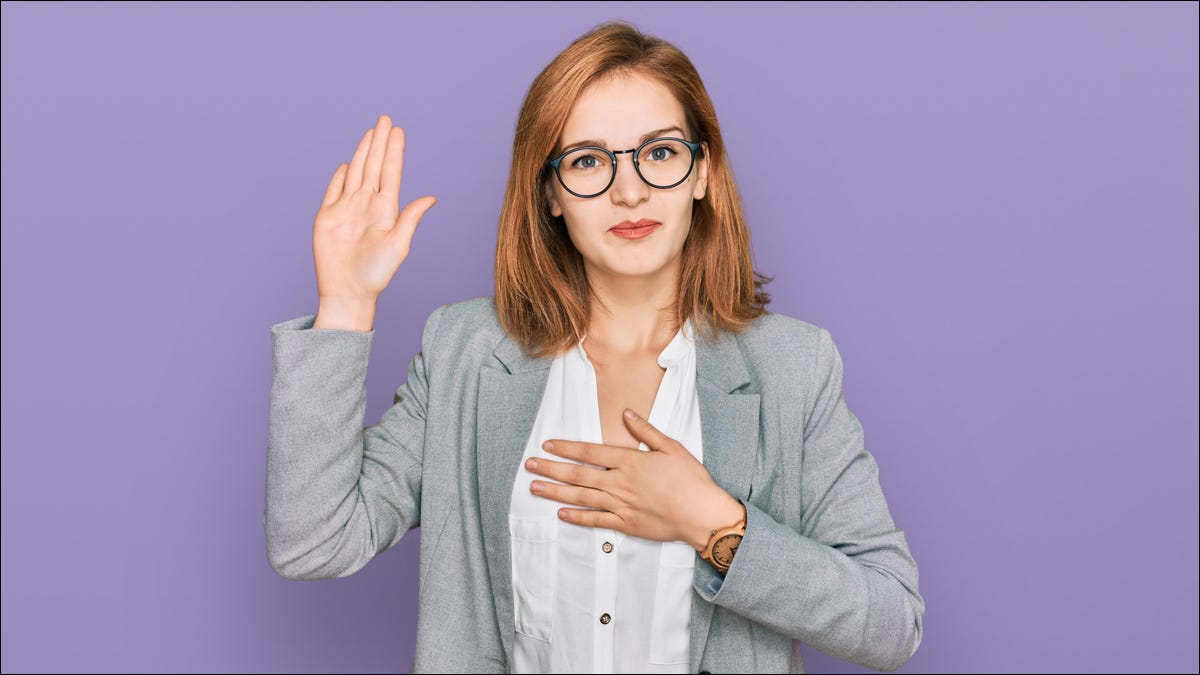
pixel 622 462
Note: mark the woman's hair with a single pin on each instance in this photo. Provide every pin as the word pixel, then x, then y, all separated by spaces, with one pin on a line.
pixel 542 294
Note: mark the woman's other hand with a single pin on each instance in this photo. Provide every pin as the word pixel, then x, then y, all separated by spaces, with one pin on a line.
pixel 359 240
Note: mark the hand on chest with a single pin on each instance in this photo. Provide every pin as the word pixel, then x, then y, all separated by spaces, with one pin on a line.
pixel 585 398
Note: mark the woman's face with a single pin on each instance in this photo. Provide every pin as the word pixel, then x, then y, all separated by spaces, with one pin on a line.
pixel 619 113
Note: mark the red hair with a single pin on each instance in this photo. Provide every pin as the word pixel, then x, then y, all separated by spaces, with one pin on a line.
pixel 542 294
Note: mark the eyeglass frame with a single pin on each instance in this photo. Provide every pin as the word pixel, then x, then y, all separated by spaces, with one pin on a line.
pixel 694 147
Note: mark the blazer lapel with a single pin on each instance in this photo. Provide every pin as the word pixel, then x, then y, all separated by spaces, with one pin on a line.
pixel 729 433
pixel 510 395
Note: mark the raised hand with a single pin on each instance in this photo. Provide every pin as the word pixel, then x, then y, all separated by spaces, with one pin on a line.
pixel 663 494
pixel 359 240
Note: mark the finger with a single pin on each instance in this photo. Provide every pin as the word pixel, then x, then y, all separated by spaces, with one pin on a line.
pixel 393 163
pixel 354 175
pixel 567 472
pixel 375 155
pixel 586 518
pixel 647 433
pixel 335 185
pixel 573 494
pixel 591 453
pixel 407 221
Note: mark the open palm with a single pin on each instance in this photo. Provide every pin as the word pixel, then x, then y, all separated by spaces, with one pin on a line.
pixel 359 240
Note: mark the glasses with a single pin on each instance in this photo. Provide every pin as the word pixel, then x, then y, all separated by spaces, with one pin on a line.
pixel 590 170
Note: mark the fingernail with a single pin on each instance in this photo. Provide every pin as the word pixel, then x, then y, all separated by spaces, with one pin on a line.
pixel 630 415
pixel 548 445
pixel 536 487
pixel 531 464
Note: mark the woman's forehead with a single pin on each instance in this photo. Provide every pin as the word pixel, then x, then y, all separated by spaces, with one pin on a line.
pixel 621 112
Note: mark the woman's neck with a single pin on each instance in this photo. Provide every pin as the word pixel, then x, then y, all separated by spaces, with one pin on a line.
pixel 635 318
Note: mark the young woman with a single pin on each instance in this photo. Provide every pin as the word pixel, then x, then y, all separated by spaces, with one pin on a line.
pixel 620 463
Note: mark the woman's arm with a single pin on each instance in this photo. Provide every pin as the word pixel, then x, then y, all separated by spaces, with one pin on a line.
pixel 337 493
pixel 846 583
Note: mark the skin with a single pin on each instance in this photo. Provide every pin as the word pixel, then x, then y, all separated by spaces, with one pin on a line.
pixel 634 279
pixel 664 494
pixel 360 239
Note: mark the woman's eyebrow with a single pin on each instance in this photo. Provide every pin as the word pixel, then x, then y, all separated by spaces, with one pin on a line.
pixel 645 137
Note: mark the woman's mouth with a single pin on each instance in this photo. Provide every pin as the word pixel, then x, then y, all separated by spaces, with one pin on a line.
pixel 632 230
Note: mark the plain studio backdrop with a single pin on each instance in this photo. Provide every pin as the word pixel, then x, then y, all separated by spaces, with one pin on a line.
pixel 992 208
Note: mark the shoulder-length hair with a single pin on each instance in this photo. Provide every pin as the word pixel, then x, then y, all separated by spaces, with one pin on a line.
pixel 542 294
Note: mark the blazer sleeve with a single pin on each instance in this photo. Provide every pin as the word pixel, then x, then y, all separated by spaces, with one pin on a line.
pixel 845 583
pixel 337 493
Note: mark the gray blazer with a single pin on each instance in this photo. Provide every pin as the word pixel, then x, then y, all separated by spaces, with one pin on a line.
pixel 822 561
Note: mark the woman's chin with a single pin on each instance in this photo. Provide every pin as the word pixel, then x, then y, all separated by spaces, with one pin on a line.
pixel 627 270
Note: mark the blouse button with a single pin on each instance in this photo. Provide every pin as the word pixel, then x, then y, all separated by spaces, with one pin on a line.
pixel 607 547
pixel 605 618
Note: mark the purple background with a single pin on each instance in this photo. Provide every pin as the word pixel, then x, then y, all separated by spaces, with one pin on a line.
pixel 993 208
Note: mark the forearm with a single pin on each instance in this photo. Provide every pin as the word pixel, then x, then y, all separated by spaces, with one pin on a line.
pixel 864 609
pixel 323 516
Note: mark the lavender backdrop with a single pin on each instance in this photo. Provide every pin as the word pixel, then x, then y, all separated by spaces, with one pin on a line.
pixel 992 207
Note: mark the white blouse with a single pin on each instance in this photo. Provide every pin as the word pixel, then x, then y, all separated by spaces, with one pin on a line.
pixel 592 600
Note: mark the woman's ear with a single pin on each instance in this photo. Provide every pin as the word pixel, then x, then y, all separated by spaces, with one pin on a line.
pixel 552 198
pixel 701 188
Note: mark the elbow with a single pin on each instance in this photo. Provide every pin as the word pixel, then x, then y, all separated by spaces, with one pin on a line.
pixel 300 569
pixel 895 624
pixel 309 566
pixel 296 557
pixel 885 655
pixel 284 558
pixel 288 569
pixel 886 634
pixel 890 654
pixel 893 660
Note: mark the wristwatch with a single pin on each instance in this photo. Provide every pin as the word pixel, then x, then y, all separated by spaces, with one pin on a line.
pixel 723 544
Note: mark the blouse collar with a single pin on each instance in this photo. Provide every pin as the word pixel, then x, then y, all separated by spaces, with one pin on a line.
pixel 676 350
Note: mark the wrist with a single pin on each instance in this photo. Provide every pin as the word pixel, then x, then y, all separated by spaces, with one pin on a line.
pixel 723 543
pixel 339 314
pixel 729 513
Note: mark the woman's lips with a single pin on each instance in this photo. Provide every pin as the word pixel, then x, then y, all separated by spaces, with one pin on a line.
pixel 632 230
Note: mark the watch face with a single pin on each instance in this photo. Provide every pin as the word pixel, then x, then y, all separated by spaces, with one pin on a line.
pixel 725 547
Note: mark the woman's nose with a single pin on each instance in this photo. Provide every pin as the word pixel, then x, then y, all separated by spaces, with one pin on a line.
pixel 628 187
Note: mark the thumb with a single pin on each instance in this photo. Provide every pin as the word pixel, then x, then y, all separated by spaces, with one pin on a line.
pixel 406 223
pixel 648 433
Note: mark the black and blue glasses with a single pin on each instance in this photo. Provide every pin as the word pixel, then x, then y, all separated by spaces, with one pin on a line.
pixel 590 170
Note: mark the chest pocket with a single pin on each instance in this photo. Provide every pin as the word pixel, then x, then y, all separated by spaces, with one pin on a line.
pixel 534 574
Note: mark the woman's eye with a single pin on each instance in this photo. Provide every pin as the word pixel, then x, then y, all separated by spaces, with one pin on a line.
pixel 661 153
pixel 586 162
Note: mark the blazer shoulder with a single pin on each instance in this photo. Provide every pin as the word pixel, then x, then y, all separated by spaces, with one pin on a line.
pixel 781 334
pixel 466 326
pixel 473 314
pixel 777 347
